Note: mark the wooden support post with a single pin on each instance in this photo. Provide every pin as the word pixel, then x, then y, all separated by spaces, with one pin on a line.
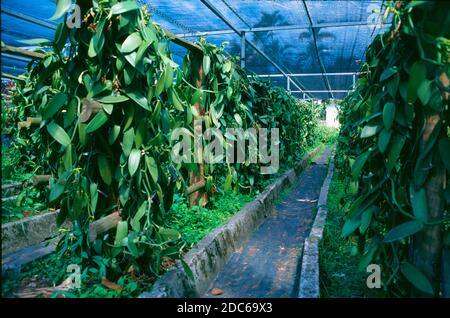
pixel 34 120
pixel 40 179
pixel 198 176
pixel 195 187
pixel 30 121
pixel 104 224
pixel 428 243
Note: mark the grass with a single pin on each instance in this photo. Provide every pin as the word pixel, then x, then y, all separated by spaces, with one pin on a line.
pixel 195 222
pixel 339 274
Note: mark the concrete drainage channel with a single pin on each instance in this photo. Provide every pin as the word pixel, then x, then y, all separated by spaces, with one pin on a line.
pixel 211 254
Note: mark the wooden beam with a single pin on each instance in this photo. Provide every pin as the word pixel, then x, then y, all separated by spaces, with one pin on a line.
pixel 40 179
pixel 184 43
pixel 195 187
pixel 102 225
pixel 198 176
pixel 21 52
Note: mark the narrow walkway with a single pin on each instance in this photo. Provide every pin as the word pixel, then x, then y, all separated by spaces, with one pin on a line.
pixel 268 264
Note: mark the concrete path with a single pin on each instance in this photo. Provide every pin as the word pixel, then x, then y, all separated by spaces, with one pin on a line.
pixel 268 265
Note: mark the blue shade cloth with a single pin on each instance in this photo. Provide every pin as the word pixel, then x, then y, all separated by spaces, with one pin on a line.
pixel 281 29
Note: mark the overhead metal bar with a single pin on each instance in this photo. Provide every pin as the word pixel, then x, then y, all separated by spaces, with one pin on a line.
pixel 27 18
pixel 316 49
pixel 214 10
pixel 279 28
pixel 309 74
pixel 323 91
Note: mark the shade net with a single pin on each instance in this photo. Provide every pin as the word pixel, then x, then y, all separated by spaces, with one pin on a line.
pixel 320 59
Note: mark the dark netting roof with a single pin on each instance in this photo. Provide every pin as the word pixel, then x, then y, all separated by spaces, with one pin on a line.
pixel 281 29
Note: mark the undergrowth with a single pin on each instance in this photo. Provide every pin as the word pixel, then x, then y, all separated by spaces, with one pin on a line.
pixel 339 274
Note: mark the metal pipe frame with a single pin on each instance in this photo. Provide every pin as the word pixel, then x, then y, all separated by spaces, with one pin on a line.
pixel 309 74
pixel 323 91
pixel 214 10
pixel 316 49
pixel 27 18
pixel 276 28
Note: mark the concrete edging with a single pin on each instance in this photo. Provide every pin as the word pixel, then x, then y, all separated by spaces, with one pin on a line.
pixel 210 255
pixel 28 231
pixel 309 286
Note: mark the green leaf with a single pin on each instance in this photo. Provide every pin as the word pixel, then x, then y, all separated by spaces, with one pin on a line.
pixel 131 43
pixel 419 203
pixel 54 105
pixel 366 218
pixel 123 7
pixel 392 85
pixel 388 115
pixel 177 103
pixel 133 161
pixel 152 167
pixel 383 140
pixel 121 232
pixel 359 164
pixel 62 6
pixel 369 131
pixel 416 77
pixel 187 269
pixel 135 222
pixel 141 51
pixel 228 181
pixel 416 277
pixel 424 92
pixel 206 64
pixel 105 169
pixel 388 73
pixel 238 119
pixel 127 143
pixel 113 99
pixel 351 225
pixel 140 99
pixel 58 134
pixel 169 234
pixel 113 134
pixel 94 195
pixel 403 230
pixel 394 152
pixel 160 84
pixel 56 191
pixel 98 121
pixel 108 108
pixel 132 246
pixel 168 77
